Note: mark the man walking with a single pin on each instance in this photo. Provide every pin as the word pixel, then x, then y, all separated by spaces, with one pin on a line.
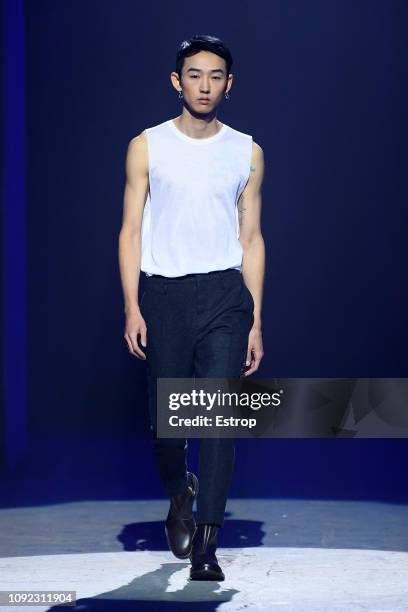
pixel 191 223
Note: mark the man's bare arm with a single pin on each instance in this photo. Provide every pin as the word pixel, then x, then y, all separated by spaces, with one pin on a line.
pixel 253 261
pixel 249 213
pixel 136 189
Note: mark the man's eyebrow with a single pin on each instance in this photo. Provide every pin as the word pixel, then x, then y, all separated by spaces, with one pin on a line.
pixel 213 70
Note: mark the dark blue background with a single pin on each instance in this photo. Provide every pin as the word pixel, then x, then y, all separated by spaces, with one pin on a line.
pixel 321 86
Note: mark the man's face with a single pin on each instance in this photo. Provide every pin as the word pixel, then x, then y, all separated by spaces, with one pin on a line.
pixel 204 80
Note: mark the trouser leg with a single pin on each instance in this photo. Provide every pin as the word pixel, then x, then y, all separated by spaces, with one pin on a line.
pixel 220 352
pixel 169 354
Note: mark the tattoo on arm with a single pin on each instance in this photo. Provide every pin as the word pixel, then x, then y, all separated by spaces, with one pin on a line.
pixel 241 208
pixel 240 203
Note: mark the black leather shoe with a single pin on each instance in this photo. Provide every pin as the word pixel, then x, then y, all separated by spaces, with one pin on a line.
pixel 204 564
pixel 180 525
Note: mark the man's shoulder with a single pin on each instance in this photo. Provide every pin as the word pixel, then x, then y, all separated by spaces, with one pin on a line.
pixel 238 133
pixel 256 149
pixel 143 136
pixel 137 151
pixel 138 143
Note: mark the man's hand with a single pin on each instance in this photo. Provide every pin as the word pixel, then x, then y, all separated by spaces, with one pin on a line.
pixel 135 326
pixel 254 351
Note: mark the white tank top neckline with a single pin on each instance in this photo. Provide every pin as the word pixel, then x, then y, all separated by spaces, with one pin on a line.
pixel 198 141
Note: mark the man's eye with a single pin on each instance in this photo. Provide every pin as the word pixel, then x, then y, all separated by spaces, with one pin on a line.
pixel 195 76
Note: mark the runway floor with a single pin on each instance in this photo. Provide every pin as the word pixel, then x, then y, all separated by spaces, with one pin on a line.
pixel 290 555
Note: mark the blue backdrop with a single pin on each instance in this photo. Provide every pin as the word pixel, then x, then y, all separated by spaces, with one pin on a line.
pixel 320 84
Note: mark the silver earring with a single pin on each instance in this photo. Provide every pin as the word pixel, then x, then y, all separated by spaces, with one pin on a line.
pixel 180 94
pixel 227 96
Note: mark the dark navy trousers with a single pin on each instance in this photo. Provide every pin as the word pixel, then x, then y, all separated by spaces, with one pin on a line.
pixel 197 325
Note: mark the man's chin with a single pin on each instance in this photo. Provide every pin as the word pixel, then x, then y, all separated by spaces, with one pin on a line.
pixel 204 110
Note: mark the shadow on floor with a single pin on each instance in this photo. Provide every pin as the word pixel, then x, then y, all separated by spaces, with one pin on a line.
pixel 149 535
pixel 148 592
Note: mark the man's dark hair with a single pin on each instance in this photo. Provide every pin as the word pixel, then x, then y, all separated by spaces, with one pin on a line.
pixel 202 42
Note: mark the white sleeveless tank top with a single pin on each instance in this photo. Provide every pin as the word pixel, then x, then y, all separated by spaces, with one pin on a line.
pixel 190 220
